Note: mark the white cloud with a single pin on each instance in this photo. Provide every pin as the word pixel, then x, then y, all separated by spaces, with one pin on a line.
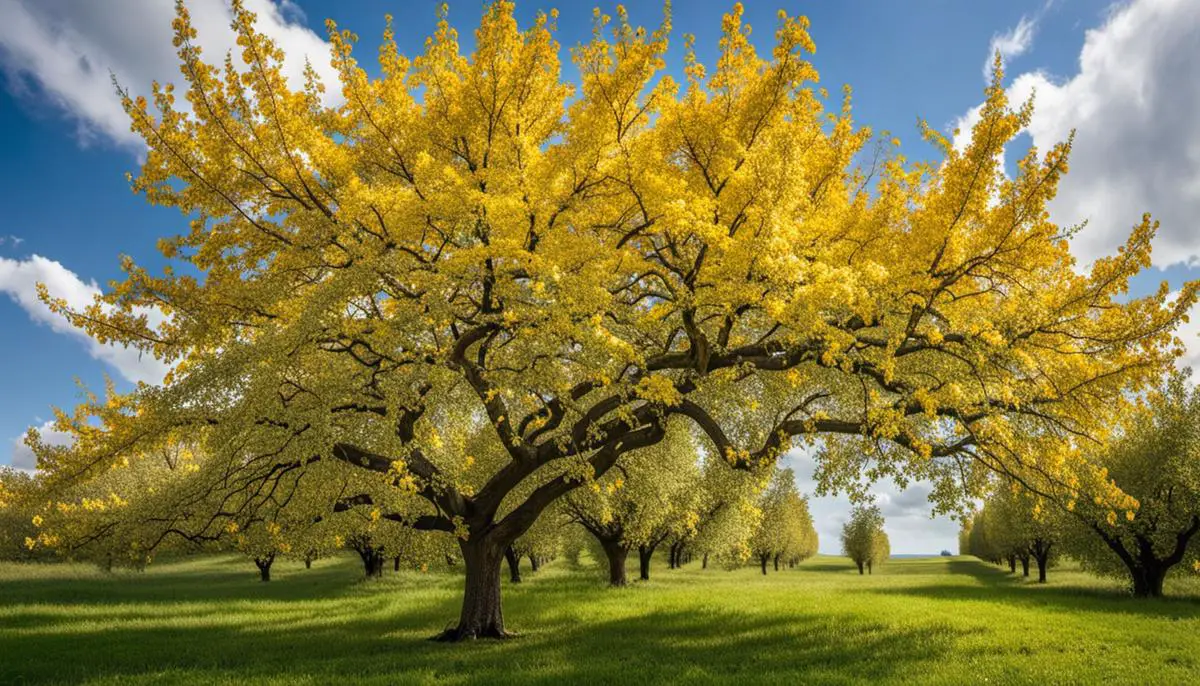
pixel 68 49
pixel 1133 107
pixel 24 459
pixel 1011 44
pixel 19 279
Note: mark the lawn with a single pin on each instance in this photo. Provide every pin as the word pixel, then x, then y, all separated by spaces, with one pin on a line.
pixel 936 620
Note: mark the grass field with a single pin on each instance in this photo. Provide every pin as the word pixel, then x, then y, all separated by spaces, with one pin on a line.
pixel 937 620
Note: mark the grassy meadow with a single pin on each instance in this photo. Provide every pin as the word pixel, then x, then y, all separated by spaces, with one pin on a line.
pixel 932 620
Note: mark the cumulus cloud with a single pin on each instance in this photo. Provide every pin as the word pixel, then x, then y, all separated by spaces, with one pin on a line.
pixel 24 459
pixel 65 51
pixel 19 279
pixel 1133 107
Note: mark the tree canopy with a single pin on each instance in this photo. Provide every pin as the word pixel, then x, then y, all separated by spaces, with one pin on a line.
pixel 482 285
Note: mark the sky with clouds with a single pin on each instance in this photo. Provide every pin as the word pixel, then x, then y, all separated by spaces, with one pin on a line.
pixel 1121 76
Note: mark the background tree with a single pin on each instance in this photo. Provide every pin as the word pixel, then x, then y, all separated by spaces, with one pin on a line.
pixel 1024 526
pixel 1156 460
pixel 785 528
pixel 470 244
pixel 18 507
pixel 863 540
pixel 639 505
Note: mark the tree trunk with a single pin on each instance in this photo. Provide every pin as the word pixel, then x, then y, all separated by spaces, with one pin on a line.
pixel 1012 564
pixel 1148 580
pixel 396 563
pixel 860 567
pixel 762 560
pixel 514 564
pixel 704 562
pixel 616 554
pixel 264 567
pixel 1025 565
pixel 1042 562
pixel 777 562
pixel 644 555
pixel 308 562
pixel 534 564
pixel 481 616
pixel 870 567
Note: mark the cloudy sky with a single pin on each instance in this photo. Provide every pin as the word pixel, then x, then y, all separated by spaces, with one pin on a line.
pixel 1123 76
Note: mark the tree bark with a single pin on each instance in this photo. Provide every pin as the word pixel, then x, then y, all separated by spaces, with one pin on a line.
pixel 1148 580
pixel 645 553
pixel 870 567
pixel 860 567
pixel 264 567
pixel 704 562
pixel 514 564
pixel 616 554
pixel 762 561
pixel 777 562
pixel 534 563
pixel 481 615
pixel 1025 565
pixel 1012 564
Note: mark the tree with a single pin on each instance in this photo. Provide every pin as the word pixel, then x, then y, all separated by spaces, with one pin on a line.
pixel 785 529
pixel 863 538
pixel 470 245
pixel 638 506
pixel 1024 526
pixel 1157 461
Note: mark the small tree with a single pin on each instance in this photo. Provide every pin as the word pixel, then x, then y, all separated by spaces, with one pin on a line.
pixel 863 539
pixel 1156 460
pixel 785 529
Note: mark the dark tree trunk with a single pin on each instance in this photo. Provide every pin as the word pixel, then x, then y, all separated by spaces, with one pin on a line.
pixel 860 567
pixel 534 564
pixel 1012 564
pixel 645 553
pixel 396 563
pixel 616 554
pixel 1025 565
pixel 704 562
pixel 762 561
pixel 870 567
pixel 481 615
pixel 777 562
pixel 1148 579
pixel 1041 554
pixel 308 562
pixel 264 567
pixel 514 564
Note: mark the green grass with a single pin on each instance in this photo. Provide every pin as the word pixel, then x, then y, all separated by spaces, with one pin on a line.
pixel 939 620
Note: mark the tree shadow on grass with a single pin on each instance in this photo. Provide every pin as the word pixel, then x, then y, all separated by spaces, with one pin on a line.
pixel 354 644
pixel 999 585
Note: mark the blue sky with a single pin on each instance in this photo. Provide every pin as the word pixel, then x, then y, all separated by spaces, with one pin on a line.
pixel 1124 74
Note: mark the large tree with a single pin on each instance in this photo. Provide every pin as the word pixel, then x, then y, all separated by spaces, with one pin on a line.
pixel 471 244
